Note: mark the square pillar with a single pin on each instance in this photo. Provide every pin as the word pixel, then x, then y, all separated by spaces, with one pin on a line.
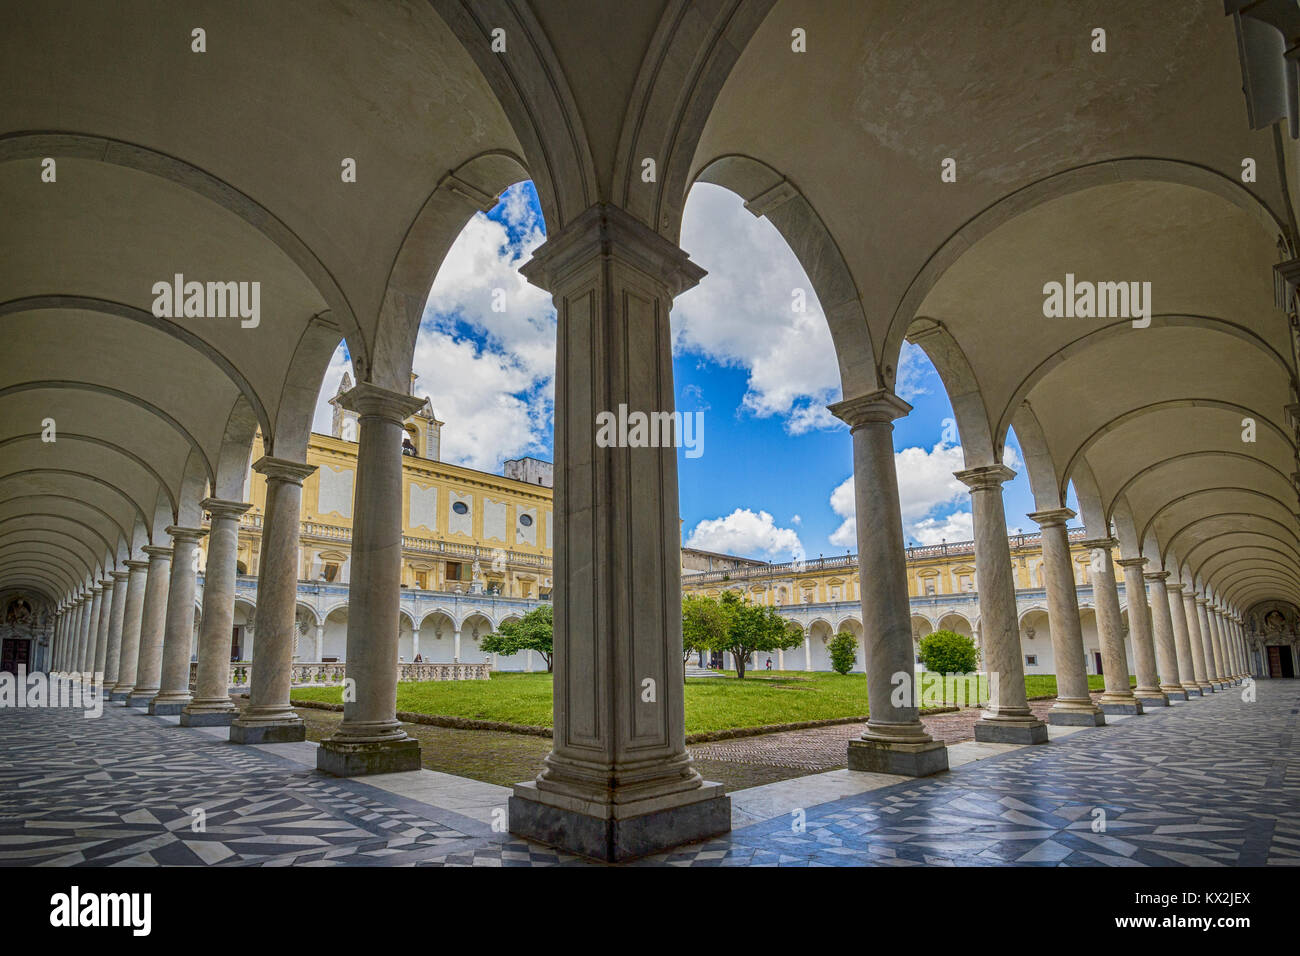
pixel 619 782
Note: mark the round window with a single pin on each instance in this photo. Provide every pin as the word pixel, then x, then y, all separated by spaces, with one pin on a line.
pixel 460 508
pixel 526 520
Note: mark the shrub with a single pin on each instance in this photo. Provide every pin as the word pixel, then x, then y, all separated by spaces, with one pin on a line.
pixel 946 652
pixel 844 652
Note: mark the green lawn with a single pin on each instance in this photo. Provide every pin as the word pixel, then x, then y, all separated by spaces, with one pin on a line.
pixel 712 704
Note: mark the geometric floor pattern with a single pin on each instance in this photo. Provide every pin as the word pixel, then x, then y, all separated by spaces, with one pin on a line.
pixel 1210 782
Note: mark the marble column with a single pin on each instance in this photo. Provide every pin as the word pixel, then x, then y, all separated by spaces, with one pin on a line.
pixel 807 652
pixel 117 609
pixel 212 705
pixel 320 642
pixel 1194 635
pixel 83 635
pixel 268 718
pixel 1207 643
pixel 1140 627
pixel 1074 705
pixel 895 740
pixel 1007 718
pixel 1243 661
pixel 370 739
pixel 1166 644
pixel 1216 642
pixel 57 655
pixel 129 656
pixel 455 645
pixel 102 625
pixel 178 628
pixel 92 631
pixel 619 781
pixel 1225 640
pixel 153 624
pixel 1182 642
pixel 1118 697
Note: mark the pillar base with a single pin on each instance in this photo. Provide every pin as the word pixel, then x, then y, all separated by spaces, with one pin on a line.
pixel 1174 693
pixel 1206 688
pixel 208 718
pixel 1191 691
pixel 168 706
pixel 995 731
pixel 1077 718
pixel 1151 698
pixel 619 831
pixel 268 732
pixel 1120 705
pixel 119 695
pixel 361 759
pixel 908 760
pixel 140 700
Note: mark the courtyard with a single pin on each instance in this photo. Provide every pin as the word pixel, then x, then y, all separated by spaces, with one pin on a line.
pixel 1212 782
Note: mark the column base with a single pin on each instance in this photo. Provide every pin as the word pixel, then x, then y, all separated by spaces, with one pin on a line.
pixel 1150 698
pixel 1120 705
pixel 614 832
pixel 1206 688
pixel 361 759
pixel 908 760
pixel 207 718
pixel 284 731
pixel 140 700
pixel 1000 731
pixel 1173 692
pixel 1076 717
pixel 168 706
pixel 119 695
pixel 1191 690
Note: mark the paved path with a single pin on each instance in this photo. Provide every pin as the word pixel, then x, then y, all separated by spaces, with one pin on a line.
pixel 1208 782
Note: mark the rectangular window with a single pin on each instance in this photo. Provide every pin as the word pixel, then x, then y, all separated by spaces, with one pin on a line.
pixel 331 571
pixel 1031 660
pixel 454 569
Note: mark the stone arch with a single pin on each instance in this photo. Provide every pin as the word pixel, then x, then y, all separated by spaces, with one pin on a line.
pixel 770 195
pixel 1059 184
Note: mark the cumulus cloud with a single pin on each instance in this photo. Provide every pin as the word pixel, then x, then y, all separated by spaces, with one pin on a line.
pixel 927 490
pixel 746 533
pixel 743 314
pixel 485 356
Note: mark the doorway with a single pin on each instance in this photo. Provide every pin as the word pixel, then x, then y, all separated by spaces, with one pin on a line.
pixel 1280 663
pixel 14 654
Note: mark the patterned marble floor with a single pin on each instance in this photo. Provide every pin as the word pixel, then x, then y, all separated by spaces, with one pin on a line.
pixel 1212 782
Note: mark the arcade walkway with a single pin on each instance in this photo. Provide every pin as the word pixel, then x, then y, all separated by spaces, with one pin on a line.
pixel 1210 782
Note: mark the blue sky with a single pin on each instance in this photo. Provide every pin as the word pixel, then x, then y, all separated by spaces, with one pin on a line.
pixel 774 479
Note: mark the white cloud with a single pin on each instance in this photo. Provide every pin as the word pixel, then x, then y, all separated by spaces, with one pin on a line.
pixel 742 313
pixel 489 374
pixel 746 533
pixel 925 486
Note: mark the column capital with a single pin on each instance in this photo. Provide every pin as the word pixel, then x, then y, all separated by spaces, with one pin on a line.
pixel 97 587
pixel 985 477
pixel 1131 562
pixel 282 469
pixel 1201 602
pixel 371 401
pixel 157 551
pixel 121 575
pixel 180 533
pixel 1174 587
pixel 137 565
pixel 880 407
pixel 1092 544
pixel 222 508
pixel 1051 517
pixel 1157 576
pixel 107 582
pixel 603 231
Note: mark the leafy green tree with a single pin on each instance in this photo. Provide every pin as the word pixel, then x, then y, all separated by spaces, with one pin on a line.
pixel 534 632
pixel 704 625
pixel 754 627
pixel 844 652
pixel 946 652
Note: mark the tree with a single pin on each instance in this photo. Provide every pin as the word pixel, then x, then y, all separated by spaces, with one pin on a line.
pixel 753 627
pixel 844 652
pixel 946 652
pixel 534 632
pixel 704 625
